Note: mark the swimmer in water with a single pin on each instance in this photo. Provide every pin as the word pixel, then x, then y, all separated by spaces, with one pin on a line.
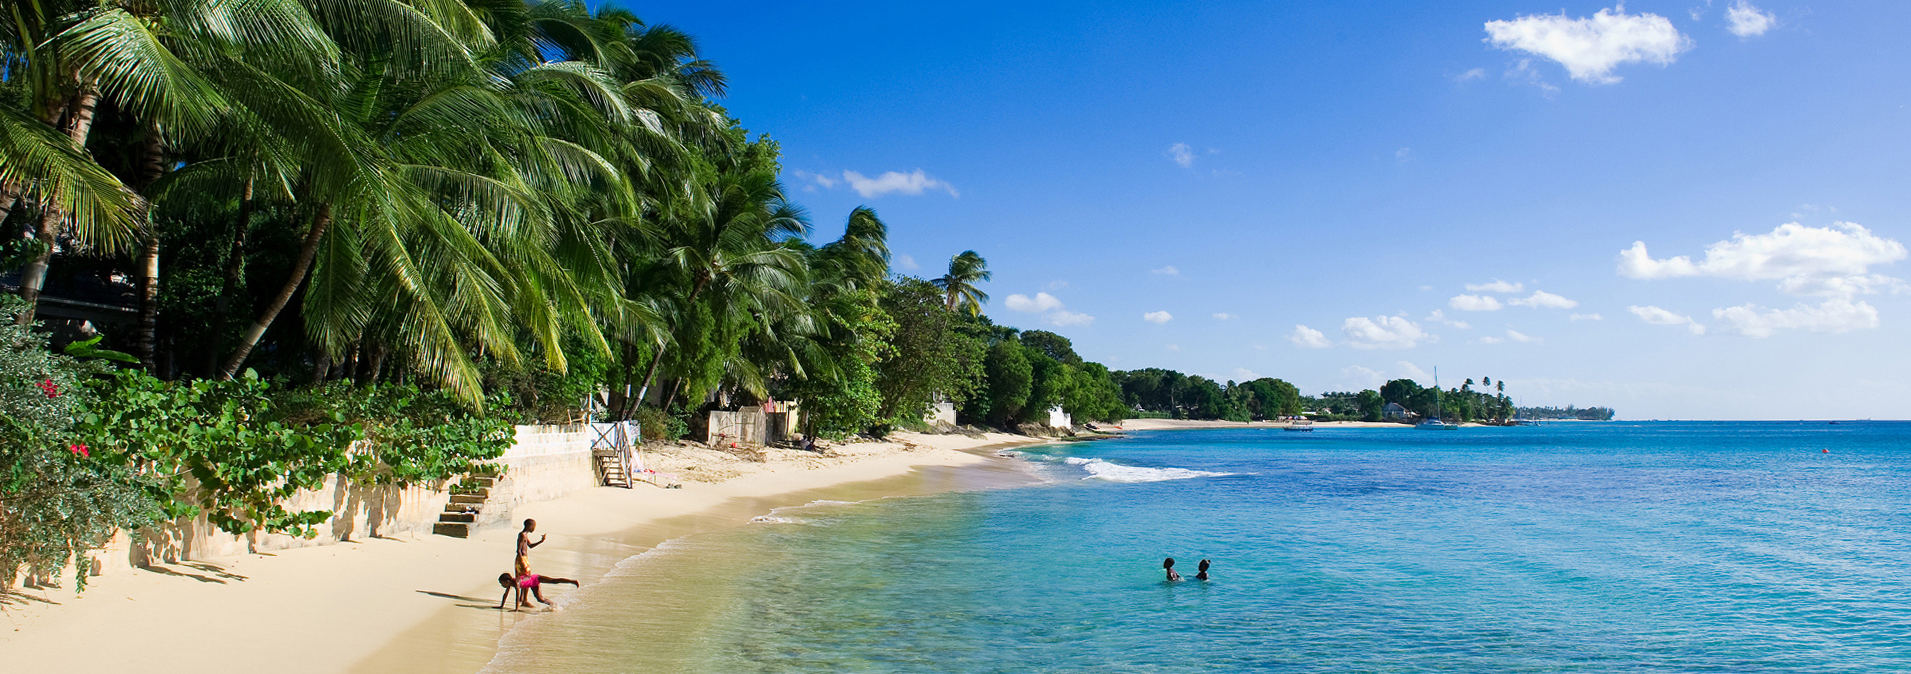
pixel 1169 565
pixel 1203 575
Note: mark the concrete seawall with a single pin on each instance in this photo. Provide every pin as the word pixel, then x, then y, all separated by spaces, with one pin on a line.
pixel 544 463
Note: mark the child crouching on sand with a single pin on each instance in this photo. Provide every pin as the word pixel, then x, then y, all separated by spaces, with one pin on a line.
pixel 528 582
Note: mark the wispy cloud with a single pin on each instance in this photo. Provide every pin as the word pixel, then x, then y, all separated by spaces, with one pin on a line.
pixel 1658 316
pixel 1165 271
pixel 1470 75
pixel 1590 48
pixel 1403 155
pixel 1833 315
pixel 1587 317
pixel 1157 317
pixel 904 261
pixel 812 181
pixel 1541 299
pixel 1747 21
pixel 1050 306
pixel 1474 303
pixel 892 182
pixel 1440 317
pixel 1033 305
pixel 1180 153
pixel 1308 338
pixel 1225 317
pixel 1497 286
pixel 1383 332
pixel 1062 317
pixel 1518 336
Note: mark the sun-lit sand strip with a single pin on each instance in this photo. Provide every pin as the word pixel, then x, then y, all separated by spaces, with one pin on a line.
pixel 421 603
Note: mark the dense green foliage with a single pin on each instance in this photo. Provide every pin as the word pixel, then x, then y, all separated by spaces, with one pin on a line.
pixel 1567 412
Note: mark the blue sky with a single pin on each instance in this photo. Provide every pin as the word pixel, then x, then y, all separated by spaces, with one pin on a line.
pixel 1353 167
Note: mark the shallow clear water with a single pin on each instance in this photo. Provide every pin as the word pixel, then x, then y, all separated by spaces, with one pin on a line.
pixel 1616 547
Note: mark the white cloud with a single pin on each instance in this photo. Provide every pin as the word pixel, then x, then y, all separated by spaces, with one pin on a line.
pixel 1440 317
pixel 1308 338
pixel 811 181
pixel 1066 318
pixel 1244 374
pixel 1470 75
pixel 904 261
pixel 1657 316
pixel 1492 340
pixel 1403 155
pixel 1832 315
pixel 1541 299
pixel 1157 317
pixel 1818 261
pixel 1056 285
pixel 1591 47
pixel 1383 332
pixel 1414 372
pixel 1518 336
pixel 890 181
pixel 1524 73
pixel 1181 154
pixel 1044 302
pixel 1225 317
pixel 1363 378
pixel 1165 271
pixel 1744 20
pixel 1474 303
pixel 1033 305
pixel 1173 347
pixel 1497 286
pixel 1587 317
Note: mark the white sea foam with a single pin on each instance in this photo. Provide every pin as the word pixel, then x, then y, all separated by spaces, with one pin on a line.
pixel 772 519
pixel 1115 472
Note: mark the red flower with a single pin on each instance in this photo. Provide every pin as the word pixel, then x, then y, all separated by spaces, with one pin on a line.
pixel 80 450
pixel 51 390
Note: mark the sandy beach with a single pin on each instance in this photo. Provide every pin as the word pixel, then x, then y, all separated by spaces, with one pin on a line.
pixel 423 603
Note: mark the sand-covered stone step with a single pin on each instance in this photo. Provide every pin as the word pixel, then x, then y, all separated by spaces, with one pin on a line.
pixel 464 518
pixel 452 529
pixel 473 499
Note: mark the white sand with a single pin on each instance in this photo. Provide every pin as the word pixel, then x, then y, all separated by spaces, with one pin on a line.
pixel 422 603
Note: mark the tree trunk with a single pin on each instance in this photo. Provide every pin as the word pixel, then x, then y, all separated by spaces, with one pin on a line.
pixel 9 195
pixel 235 275
pixel 79 123
pixel 152 166
pixel 320 221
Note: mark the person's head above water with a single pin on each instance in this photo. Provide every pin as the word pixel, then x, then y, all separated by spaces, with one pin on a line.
pixel 1167 563
pixel 530 525
pixel 1204 566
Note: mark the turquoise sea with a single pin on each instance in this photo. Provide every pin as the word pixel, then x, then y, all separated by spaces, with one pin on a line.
pixel 1573 547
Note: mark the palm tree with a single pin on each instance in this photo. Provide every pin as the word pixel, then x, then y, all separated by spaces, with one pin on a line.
pixel 965 271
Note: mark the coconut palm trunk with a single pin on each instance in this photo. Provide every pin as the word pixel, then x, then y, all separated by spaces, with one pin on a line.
pixel 235 274
pixel 321 220
pixel 151 167
pixel 79 123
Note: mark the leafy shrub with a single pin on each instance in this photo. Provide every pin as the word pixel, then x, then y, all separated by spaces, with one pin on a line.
pixel 412 436
pixel 59 497
pixel 209 448
pixel 655 425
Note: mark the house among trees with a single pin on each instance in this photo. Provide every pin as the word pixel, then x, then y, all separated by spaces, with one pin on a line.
pixel 1393 412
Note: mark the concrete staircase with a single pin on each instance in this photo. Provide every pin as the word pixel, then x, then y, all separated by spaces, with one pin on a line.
pixel 461 514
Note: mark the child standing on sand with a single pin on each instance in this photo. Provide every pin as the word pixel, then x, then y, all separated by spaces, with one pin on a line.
pixel 522 567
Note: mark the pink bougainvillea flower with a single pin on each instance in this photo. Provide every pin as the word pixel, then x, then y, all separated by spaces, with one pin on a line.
pixel 80 450
pixel 52 390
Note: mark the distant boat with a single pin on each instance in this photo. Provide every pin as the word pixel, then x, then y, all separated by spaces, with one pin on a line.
pixel 1434 423
pixel 1299 425
pixel 1525 422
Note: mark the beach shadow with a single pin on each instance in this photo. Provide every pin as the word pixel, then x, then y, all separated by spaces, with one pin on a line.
pixel 482 603
pixel 10 597
pixel 169 572
pixel 214 570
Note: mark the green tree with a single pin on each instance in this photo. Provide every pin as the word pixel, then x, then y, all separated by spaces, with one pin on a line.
pixel 959 284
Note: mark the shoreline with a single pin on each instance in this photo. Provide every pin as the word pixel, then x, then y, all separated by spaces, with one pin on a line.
pixel 422 603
